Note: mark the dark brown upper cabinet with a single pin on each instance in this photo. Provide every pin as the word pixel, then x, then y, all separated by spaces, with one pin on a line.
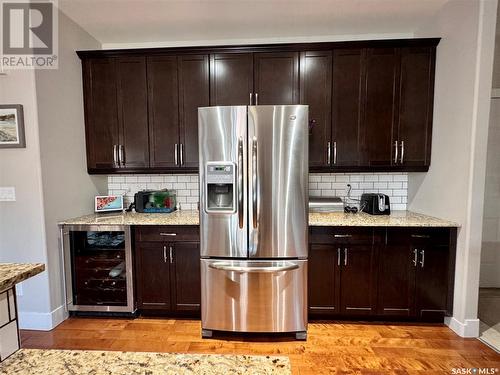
pixel 231 78
pixel 193 93
pixel 276 77
pixel 381 82
pixel 414 123
pixel 345 146
pixel 101 109
pixel 133 151
pixel 370 102
pixel 316 91
pixel 163 107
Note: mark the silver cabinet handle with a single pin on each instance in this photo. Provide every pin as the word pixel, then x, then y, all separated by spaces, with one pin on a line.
pixel 335 152
pixel 240 182
pixel 342 235
pixel 415 257
pixel 286 266
pixel 121 155
pixel 164 254
pixel 254 182
pixel 422 252
pixel 329 153
pixel 115 156
pixel 338 256
pixel 176 154
pixel 181 154
pixel 163 234
pixel 346 254
pixel 402 152
pixel 256 98
pixel 395 152
pixel 251 98
pixel 171 255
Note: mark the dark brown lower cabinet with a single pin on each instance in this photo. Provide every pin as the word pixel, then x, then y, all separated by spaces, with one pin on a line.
pixel 152 276
pixel 402 273
pixel 186 276
pixel 168 269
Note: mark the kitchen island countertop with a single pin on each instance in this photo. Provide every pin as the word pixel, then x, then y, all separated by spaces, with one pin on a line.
pixel 14 273
pixel 191 217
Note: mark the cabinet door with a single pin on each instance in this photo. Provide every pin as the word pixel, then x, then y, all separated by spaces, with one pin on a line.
pixel 323 279
pixel 358 289
pixel 416 104
pixel 187 282
pixel 396 281
pixel 316 91
pixel 163 94
pixel 152 276
pixel 380 106
pixel 193 93
pixel 101 110
pixel 277 77
pixel 133 112
pixel 231 78
pixel 432 281
pixel 346 107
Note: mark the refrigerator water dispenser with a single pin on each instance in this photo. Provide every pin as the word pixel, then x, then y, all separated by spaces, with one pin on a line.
pixel 221 189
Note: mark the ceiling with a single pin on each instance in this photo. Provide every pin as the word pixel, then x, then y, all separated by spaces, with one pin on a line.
pixel 167 22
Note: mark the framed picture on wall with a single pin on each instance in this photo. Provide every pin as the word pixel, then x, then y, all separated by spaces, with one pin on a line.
pixel 12 126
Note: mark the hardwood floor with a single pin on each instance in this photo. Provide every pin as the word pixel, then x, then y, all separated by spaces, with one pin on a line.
pixel 332 347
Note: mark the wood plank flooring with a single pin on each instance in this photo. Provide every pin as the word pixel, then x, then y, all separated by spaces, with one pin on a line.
pixel 332 347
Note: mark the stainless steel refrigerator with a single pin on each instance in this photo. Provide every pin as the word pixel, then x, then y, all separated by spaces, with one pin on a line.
pixel 254 218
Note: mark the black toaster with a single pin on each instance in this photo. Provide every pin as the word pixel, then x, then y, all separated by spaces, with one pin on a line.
pixel 375 204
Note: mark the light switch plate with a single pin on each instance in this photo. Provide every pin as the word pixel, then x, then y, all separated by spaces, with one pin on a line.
pixel 7 194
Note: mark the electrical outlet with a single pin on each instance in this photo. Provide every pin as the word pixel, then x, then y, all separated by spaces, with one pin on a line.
pixel 7 194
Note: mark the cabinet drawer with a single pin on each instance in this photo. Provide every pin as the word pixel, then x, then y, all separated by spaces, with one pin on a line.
pixel 345 235
pixel 167 233
pixel 415 236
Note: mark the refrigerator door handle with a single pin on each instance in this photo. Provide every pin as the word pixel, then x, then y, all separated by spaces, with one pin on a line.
pixel 240 182
pixel 223 266
pixel 254 182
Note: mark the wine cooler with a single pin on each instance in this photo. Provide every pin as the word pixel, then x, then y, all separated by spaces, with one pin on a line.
pixel 98 268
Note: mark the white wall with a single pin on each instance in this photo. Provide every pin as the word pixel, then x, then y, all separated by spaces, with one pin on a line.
pixel 490 252
pixel 461 108
pixel 68 190
pixel 49 175
pixel 22 228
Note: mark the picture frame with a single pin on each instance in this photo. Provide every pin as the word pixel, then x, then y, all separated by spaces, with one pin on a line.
pixel 108 203
pixel 12 126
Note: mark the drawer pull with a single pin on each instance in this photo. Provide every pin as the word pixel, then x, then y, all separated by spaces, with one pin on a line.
pixel 342 235
pixel 420 236
pixel 168 234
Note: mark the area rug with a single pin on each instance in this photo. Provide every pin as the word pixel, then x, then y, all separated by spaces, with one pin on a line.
pixel 36 361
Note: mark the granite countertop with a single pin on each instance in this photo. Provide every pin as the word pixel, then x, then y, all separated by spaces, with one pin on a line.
pixel 40 361
pixel 13 273
pixel 188 217
pixel 361 219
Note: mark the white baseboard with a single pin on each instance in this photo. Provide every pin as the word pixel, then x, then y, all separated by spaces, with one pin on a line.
pixel 469 328
pixel 42 321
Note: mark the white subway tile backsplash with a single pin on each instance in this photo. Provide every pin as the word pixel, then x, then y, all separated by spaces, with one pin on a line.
pixel 395 185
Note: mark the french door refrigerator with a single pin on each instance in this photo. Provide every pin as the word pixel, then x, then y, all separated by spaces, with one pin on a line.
pixel 254 218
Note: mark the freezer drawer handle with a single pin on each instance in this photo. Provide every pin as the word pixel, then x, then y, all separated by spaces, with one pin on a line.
pixel 163 234
pixel 272 269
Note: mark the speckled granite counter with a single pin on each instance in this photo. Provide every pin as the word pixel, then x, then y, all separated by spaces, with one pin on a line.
pixel 186 217
pixel 183 217
pixel 395 219
pixel 37 361
pixel 13 273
